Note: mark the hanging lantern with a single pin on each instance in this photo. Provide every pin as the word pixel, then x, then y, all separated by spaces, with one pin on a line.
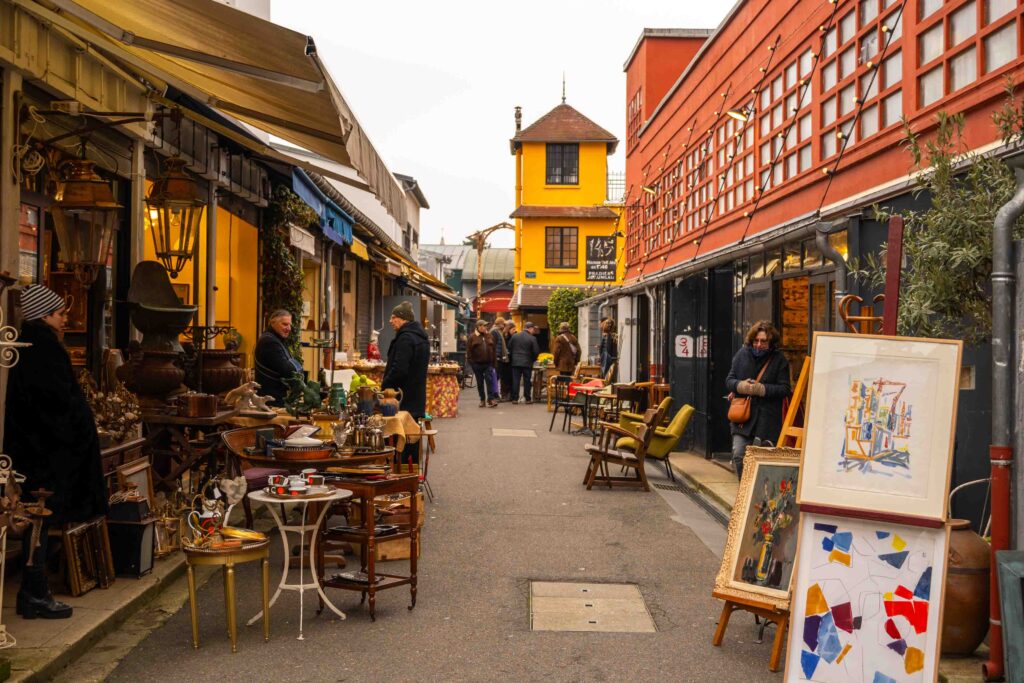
pixel 85 216
pixel 174 209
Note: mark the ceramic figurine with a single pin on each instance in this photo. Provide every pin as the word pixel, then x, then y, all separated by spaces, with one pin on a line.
pixel 303 397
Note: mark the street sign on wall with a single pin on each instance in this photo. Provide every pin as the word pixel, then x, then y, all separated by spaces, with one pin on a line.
pixel 601 259
pixel 684 346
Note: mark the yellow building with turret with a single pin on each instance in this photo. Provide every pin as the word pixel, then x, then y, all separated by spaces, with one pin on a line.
pixel 566 231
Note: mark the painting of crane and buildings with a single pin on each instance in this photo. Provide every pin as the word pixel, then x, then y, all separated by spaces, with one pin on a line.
pixel 877 428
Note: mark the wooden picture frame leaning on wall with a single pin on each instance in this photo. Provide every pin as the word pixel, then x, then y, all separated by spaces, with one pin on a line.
pixel 762 530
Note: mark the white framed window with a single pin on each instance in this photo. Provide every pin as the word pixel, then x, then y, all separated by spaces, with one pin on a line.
pixel 997 8
pixel 805 157
pixel 804 126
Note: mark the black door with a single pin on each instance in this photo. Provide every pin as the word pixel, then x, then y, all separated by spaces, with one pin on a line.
pixel 688 366
pixel 720 353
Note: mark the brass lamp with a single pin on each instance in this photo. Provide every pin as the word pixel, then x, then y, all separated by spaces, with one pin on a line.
pixel 85 215
pixel 174 209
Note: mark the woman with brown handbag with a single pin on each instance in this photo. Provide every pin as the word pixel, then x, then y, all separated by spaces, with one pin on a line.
pixel 758 383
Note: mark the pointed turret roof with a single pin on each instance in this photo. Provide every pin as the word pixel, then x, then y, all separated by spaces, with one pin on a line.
pixel 564 124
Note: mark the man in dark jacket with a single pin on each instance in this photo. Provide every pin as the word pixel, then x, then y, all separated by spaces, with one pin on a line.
pixel 523 351
pixel 480 354
pixel 408 358
pixel 274 362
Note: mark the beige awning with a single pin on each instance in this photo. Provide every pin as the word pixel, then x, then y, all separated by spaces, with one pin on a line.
pixel 256 71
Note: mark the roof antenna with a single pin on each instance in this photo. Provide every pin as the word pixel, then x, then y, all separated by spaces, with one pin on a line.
pixel 563 87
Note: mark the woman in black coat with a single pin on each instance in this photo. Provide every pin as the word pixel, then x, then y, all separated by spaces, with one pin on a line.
pixel 50 434
pixel 767 395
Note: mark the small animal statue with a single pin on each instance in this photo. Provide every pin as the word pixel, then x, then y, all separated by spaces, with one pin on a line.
pixel 246 399
pixel 303 397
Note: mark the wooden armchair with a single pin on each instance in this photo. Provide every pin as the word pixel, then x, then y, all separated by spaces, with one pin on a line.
pixel 604 453
pixel 664 439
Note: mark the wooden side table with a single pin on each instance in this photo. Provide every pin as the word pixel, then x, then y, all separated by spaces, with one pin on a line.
pixel 227 559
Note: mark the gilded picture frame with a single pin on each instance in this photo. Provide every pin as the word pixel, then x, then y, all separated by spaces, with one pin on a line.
pixel 757 566
pixel 881 417
pixel 138 472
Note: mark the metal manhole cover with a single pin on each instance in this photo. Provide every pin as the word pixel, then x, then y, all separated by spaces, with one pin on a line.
pixel 495 431
pixel 604 607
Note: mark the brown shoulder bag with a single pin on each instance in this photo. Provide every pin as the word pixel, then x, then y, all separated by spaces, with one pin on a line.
pixel 739 406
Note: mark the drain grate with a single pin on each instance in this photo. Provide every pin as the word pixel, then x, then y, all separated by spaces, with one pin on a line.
pixel 605 607
pixel 669 487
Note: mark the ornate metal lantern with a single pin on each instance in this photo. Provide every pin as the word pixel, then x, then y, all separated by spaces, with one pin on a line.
pixel 85 215
pixel 174 209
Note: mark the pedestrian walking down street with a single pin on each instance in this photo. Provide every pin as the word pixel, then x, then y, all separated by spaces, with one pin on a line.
pixel 523 350
pixel 505 371
pixel 480 353
pixel 567 350
pixel 759 353
pixel 500 357
pixel 406 369
pixel 609 349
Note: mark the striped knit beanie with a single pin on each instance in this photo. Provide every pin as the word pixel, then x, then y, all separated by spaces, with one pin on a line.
pixel 38 301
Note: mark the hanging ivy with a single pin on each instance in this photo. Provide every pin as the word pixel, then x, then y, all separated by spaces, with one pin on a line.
pixel 280 274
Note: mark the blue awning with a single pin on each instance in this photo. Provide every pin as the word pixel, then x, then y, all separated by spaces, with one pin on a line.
pixel 334 222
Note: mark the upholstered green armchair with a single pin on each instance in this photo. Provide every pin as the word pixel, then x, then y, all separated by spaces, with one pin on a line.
pixel 665 438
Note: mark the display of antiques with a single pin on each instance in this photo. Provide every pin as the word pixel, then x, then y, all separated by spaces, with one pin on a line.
pixel 117 411
pixel 204 523
pixel 307 484
pixel 303 397
pixel 153 369
pixel 247 401
pixel 167 512
pixel 88 560
pixel 132 529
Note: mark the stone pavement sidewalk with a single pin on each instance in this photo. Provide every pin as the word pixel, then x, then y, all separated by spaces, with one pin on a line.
pixel 719 485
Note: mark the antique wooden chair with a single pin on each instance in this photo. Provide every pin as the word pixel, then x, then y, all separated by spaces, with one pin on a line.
pixel 236 441
pixel 604 453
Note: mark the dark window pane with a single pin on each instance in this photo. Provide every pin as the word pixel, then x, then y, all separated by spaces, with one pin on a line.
pixel 560 247
pixel 562 164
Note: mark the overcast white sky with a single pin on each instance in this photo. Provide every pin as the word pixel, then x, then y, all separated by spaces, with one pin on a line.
pixel 435 84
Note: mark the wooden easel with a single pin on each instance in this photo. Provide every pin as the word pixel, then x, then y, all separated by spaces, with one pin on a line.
pixel 777 616
pixel 792 436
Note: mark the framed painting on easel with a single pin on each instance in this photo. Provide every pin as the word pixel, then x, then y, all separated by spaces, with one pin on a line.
pixel 879 430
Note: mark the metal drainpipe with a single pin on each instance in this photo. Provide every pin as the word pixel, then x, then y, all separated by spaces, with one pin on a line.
pixel 822 230
pixel 1001 448
pixel 652 315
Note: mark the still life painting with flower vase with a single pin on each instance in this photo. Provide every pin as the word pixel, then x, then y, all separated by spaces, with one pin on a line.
pixel 761 544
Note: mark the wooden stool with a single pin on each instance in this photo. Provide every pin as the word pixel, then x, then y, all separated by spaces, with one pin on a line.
pixel 227 559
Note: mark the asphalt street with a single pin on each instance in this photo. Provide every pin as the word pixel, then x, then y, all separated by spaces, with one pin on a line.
pixel 509 510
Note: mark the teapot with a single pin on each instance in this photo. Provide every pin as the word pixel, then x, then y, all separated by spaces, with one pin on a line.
pixel 389 400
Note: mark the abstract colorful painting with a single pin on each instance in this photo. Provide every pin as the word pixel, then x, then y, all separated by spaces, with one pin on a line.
pixel 867 601
pixel 880 419
pixel 761 543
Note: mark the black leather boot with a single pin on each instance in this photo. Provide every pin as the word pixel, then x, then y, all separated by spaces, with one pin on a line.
pixel 35 600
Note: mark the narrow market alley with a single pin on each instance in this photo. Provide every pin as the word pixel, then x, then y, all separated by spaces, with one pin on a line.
pixel 509 510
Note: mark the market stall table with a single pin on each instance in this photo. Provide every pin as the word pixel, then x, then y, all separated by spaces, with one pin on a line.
pixel 588 395
pixel 369 581
pixel 324 503
pixel 442 386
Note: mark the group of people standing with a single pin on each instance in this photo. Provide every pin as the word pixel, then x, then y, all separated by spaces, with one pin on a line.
pixel 502 359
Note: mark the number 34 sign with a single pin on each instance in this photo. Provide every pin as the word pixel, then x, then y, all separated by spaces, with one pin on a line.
pixel 687 347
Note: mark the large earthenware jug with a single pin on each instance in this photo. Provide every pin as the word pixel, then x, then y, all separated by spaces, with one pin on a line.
pixel 389 400
pixel 965 617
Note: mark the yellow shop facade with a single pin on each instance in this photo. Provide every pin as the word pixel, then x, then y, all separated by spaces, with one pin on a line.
pixel 566 230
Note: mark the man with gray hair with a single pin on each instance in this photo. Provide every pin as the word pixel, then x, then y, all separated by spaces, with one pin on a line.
pixel 274 362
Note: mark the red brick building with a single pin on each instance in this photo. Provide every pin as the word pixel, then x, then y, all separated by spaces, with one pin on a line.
pixel 739 143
